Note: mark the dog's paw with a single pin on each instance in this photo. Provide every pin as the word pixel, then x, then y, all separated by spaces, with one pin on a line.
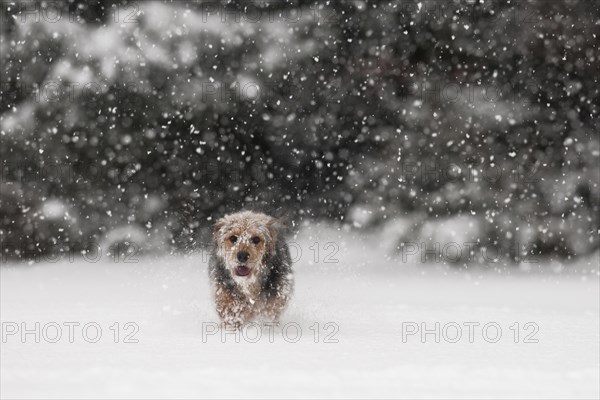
pixel 232 324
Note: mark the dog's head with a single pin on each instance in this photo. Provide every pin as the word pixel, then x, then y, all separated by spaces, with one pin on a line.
pixel 244 241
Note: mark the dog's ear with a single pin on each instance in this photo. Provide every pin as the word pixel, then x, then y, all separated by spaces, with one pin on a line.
pixel 277 227
pixel 218 225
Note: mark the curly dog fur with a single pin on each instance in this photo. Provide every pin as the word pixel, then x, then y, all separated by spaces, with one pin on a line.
pixel 250 268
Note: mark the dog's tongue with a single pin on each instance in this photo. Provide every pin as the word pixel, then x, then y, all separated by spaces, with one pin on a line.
pixel 242 270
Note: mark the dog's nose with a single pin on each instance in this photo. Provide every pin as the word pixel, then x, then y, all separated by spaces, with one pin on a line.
pixel 242 256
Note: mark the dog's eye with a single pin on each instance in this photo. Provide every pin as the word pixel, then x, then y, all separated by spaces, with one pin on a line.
pixel 256 240
pixel 233 239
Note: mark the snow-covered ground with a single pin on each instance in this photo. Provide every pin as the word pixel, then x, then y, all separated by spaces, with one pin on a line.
pixel 369 300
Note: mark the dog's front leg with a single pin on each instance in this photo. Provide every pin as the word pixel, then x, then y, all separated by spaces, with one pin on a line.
pixel 275 306
pixel 232 310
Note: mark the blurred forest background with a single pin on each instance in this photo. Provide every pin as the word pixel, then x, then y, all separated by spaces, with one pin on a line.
pixel 150 119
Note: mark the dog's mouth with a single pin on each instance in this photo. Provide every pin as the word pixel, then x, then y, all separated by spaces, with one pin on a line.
pixel 242 270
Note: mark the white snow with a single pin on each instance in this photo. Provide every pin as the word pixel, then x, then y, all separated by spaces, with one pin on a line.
pixel 366 294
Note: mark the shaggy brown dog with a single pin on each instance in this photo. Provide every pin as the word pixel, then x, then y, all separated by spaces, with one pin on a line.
pixel 250 268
